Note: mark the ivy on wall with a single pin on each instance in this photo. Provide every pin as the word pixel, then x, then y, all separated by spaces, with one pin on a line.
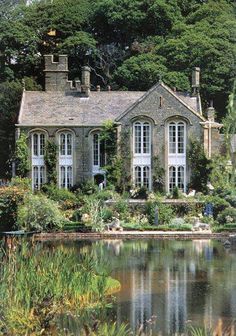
pixel 50 158
pixel 158 175
pixel 200 166
pixel 118 156
pixel 22 156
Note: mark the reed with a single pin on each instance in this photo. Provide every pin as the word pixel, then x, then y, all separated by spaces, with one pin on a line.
pixel 39 284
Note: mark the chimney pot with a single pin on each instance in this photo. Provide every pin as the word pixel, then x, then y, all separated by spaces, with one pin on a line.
pixel 196 77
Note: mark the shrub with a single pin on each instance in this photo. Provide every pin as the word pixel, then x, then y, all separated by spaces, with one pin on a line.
pixel 177 221
pixel 121 207
pixel 176 194
pixel 228 215
pixel 66 199
pixel 141 193
pixel 219 204
pixel 39 213
pixel 105 195
pixel 165 212
pixel 88 187
pixel 10 198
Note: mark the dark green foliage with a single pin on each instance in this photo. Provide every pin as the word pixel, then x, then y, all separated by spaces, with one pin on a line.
pixel 199 165
pixel 228 215
pixel 51 161
pixel 158 175
pixel 175 193
pixel 141 193
pixel 22 156
pixel 39 213
pixel 128 44
pixel 65 198
pixel 219 204
pixel 165 212
pixel 11 198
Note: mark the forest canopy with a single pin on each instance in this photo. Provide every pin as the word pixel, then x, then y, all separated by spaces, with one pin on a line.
pixel 128 45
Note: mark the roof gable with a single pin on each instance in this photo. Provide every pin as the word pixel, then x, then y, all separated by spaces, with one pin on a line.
pixel 185 101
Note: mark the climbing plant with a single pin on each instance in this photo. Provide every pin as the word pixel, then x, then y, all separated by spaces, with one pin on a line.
pixel 200 166
pixel 158 175
pixel 118 156
pixel 22 156
pixel 51 161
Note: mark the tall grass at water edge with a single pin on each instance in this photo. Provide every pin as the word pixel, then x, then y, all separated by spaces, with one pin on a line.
pixel 39 284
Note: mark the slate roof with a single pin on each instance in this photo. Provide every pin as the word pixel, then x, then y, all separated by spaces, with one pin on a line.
pixel 39 108
pixel 57 108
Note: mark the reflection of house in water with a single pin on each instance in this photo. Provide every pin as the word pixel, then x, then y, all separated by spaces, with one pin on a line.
pixel 176 299
pixel 184 284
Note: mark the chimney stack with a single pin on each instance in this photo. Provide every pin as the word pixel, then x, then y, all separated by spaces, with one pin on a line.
pixel 56 73
pixel 211 112
pixel 195 80
pixel 85 80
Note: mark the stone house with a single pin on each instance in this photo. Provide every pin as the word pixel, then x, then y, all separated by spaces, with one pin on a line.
pixel 159 124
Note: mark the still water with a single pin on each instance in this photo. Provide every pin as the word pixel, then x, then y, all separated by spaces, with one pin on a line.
pixel 166 285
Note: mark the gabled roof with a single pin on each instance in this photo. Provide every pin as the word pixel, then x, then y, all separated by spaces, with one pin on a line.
pixel 191 103
pixel 57 108
pixel 39 108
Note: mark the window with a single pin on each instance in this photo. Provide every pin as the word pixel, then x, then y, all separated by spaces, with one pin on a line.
pixel 142 176
pixel 38 167
pixel 66 177
pixel 176 137
pixel 65 160
pixel 142 138
pixel 99 152
pixel 38 144
pixel 39 177
pixel 65 144
pixel 176 178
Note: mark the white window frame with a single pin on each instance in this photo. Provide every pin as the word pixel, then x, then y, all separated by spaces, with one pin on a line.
pixel 176 143
pixel 66 159
pixel 142 125
pixel 37 159
pixel 177 158
pixel 142 177
pixel 176 178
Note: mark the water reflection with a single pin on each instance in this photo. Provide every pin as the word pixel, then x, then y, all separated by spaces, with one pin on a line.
pixel 167 285
pixel 173 283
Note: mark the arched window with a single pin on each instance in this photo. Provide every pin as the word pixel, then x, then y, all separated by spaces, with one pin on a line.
pixel 65 159
pixel 177 155
pixel 142 138
pixel 65 144
pixel 142 176
pixel 176 137
pixel 99 152
pixel 38 167
pixel 142 154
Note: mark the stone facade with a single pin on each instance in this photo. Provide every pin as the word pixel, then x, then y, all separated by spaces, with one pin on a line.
pixel 154 118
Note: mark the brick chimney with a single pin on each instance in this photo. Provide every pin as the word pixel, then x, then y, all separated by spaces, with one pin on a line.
pixel 56 73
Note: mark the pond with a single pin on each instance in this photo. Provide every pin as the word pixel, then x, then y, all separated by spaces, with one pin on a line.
pixel 167 285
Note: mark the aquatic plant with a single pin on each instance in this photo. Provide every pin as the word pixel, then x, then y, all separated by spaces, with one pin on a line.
pixel 39 284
